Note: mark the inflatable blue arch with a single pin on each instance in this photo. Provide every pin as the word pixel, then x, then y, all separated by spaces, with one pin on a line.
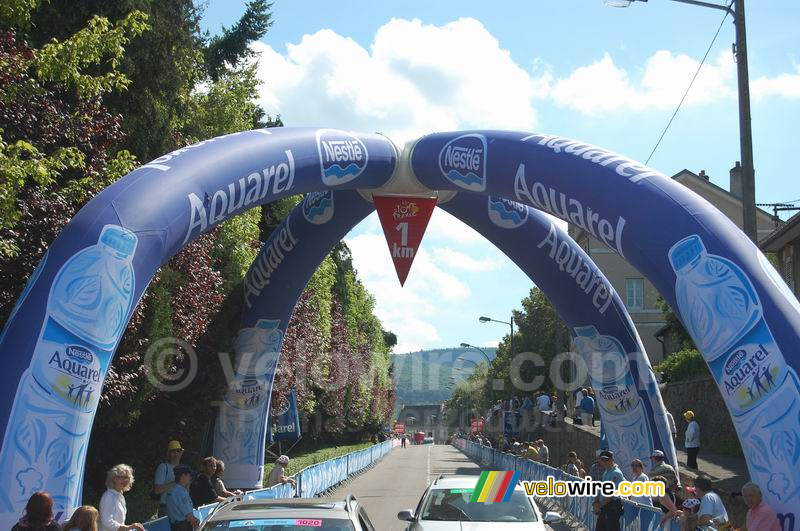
pixel 58 343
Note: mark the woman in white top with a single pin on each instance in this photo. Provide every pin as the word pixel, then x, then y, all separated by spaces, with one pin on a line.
pixel 638 475
pixel 119 479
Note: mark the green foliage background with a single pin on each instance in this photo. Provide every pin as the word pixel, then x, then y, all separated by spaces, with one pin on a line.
pixel 90 89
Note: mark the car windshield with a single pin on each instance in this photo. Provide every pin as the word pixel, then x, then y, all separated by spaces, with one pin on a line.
pixel 454 505
pixel 276 524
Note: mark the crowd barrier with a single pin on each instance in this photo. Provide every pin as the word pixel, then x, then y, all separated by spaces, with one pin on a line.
pixel 636 516
pixel 311 481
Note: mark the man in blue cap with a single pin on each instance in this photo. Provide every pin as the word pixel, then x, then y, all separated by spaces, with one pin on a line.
pixel 609 509
pixel 179 503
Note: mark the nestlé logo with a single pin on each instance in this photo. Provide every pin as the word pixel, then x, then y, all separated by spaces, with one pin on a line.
pixel 343 156
pixel 463 162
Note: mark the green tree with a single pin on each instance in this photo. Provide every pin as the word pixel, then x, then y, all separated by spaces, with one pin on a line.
pixel 539 331
pixel 232 48
pixel 683 341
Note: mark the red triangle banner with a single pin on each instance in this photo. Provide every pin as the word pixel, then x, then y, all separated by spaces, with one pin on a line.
pixel 404 220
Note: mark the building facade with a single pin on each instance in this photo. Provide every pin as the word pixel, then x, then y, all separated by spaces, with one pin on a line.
pixel 638 294
pixel 785 243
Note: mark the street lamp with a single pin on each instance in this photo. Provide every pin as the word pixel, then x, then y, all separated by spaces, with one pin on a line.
pixel 488 364
pixel 745 132
pixel 510 322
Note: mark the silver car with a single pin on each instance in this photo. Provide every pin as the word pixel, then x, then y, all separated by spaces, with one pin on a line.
pixel 314 514
pixel 446 505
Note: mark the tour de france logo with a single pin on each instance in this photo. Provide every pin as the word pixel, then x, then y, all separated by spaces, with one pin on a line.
pixel 507 214
pixel 318 207
pixel 405 209
pixel 463 162
pixel 343 156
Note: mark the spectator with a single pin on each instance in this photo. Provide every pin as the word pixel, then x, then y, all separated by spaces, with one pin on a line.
pixel 202 488
pixel 219 485
pixel 559 407
pixel 164 477
pixel 712 510
pixel 638 475
pixel 587 410
pixel 119 480
pixel 609 509
pixel 595 411
pixel 596 470
pixel 543 453
pixel 543 402
pixel 668 503
pixel 179 503
pixel 692 441
pixel 760 516
pixel 83 519
pixel 532 452
pixel 38 514
pixel 278 473
pixel 671 423
pixel 660 468
pixel 497 407
pixel 527 404
pixel 688 519
pixel 581 469
pixel 577 396
pixel 571 466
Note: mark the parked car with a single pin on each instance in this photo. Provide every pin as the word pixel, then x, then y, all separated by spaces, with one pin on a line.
pixel 446 501
pixel 313 514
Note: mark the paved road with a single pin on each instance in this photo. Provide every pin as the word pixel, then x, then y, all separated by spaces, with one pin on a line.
pixel 398 481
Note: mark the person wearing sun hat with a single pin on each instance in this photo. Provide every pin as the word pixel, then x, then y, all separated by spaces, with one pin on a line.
pixel 164 478
pixel 692 440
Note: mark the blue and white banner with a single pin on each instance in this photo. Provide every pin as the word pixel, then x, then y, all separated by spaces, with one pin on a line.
pixel 634 418
pixel 271 288
pixel 287 423
pixel 58 342
pixel 738 310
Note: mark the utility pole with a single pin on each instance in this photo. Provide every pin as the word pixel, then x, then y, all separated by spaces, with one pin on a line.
pixel 745 130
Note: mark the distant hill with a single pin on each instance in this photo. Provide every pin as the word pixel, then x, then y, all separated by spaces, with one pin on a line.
pixel 423 377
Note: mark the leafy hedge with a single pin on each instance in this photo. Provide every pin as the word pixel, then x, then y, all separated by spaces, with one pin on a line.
pixel 685 364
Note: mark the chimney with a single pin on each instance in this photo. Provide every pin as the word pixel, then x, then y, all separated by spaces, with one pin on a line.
pixel 703 175
pixel 736 180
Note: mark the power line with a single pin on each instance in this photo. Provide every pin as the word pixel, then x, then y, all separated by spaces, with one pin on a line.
pixel 689 87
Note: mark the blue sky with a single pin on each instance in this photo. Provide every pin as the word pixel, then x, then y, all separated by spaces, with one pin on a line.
pixel 575 68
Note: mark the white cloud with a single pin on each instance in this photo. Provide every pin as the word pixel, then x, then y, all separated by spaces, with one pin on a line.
pixel 407 311
pixel 602 86
pixel 459 260
pixel 784 85
pixel 416 78
pixel 446 227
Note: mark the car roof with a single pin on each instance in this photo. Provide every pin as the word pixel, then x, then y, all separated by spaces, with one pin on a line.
pixel 281 508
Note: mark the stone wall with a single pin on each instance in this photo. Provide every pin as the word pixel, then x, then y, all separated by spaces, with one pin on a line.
pixel 703 398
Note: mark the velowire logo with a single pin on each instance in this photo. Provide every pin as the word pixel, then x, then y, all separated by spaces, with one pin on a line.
pixel 495 487
pixel 463 162
pixel 343 156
